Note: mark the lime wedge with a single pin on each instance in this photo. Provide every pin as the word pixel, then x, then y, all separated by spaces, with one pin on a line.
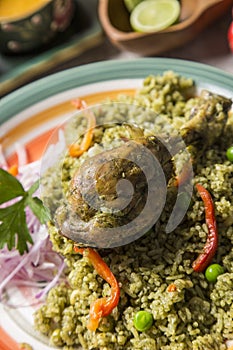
pixel 131 4
pixel 154 15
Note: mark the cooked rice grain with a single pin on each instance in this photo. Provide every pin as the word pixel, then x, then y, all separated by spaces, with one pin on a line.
pixel 197 315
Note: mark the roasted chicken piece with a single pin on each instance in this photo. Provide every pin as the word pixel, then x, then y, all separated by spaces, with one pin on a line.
pixel 111 190
pixel 208 119
pixel 97 180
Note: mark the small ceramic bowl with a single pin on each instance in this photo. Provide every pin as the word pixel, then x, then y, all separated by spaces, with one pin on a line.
pixel 35 28
pixel 195 16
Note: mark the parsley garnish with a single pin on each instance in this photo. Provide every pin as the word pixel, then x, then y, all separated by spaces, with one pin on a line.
pixel 13 226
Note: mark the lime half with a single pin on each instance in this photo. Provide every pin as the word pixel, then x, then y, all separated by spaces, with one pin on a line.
pixel 154 15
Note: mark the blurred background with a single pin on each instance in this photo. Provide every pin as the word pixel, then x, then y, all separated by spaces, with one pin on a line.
pixel 83 39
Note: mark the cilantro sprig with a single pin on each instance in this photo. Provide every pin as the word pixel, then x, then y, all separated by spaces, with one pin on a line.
pixel 13 225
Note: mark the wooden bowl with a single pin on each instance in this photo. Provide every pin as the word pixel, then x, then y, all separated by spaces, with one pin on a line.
pixel 195 16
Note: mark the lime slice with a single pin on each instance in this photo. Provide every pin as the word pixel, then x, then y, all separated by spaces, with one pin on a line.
pixel 131 4
pixel 154 15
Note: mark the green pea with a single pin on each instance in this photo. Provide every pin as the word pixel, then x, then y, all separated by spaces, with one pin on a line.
pixel 213 271
pixel 229 154
pixel 143 321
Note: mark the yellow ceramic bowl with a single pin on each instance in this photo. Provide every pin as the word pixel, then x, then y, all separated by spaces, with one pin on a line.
pixel 30 24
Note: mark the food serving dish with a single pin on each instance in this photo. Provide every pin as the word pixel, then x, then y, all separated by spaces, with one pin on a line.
pixel 194 17
pixel 29 116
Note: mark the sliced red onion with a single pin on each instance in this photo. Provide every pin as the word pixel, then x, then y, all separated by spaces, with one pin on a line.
pixel 41 267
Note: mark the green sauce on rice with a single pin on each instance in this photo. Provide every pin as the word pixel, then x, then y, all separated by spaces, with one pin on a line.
pixel 198 314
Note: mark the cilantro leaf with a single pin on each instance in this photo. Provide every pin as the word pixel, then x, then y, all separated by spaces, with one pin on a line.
pixel 13 223
pixel 10 187
pixel 38 209
pixel 36 204
pixel 33 188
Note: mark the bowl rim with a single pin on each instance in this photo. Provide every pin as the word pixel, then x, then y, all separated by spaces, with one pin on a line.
pixel 26 14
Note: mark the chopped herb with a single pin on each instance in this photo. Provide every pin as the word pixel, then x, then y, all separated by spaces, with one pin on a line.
pixel 13 225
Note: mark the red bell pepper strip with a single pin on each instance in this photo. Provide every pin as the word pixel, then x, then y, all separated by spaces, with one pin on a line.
pixel 184 175
pixel 76 150
pixel 210 247
pixel 103 306
pixel 172 288
pixel 230 36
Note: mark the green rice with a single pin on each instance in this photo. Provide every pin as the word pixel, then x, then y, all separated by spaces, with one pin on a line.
pixel 199 314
